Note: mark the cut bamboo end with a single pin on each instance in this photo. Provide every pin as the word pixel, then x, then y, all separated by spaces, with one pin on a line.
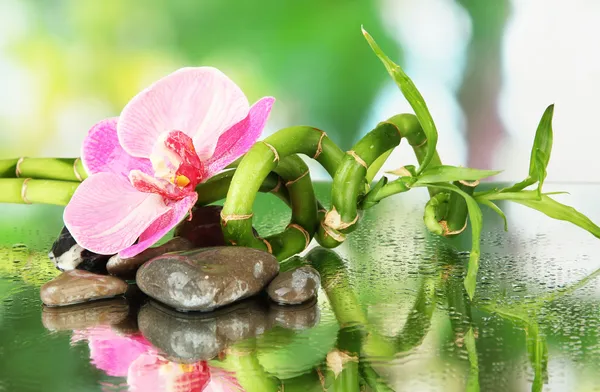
pixel 334 220
pixel 446 230
pixel 471 184
pixel 336 235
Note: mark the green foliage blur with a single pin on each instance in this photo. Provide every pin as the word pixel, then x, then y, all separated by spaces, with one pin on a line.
pixel 83 60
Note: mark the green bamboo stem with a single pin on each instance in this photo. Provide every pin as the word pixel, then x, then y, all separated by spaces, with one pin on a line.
pixel 216 188
pixel 8 168
pixel 348 181
pixel 30 191
pixel 296 237
pixel 64 169
pixel 258 162
pixel 456 218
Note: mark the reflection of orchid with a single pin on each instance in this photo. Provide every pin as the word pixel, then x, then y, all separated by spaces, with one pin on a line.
pixel 145 165
pixel 146 370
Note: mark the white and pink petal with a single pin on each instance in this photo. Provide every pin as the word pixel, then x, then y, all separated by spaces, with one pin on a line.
pixel 106 214
pixel 161 226
pixel 237 140
pixel 201 102
pixel 101 152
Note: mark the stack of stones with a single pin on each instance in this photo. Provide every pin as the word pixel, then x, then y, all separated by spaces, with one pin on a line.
pixel 193 271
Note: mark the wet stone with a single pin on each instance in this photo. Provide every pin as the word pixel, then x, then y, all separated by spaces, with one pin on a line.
pixel 295 286
pixel 127 268
pixel 76 286
pixel 206 279
pixel 67 255
pixel 192 337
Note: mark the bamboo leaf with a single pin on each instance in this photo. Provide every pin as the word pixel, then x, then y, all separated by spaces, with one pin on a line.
pixel 540 153
pixel 413 96
pixel 476 219
pixel 496 209
pixel 559 211
pixel 445 173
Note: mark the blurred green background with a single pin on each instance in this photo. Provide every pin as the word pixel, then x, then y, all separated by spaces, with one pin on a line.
pixel 486 68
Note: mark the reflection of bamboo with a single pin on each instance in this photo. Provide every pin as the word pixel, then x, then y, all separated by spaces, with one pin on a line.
pixel 355 337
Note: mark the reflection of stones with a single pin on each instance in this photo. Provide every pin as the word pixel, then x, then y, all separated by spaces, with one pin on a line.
pixel 297 317
pixel 73 287
pixel 118 313
pixel 126 268
pixel 67 255
pixel 205 279
pixel 295 286
pixel 190 337
pixel 106 312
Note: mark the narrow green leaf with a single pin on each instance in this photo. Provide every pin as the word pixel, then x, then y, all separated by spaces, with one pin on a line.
pixel 540 153
pixel 476 219
pixel 496 209
pixel 559 211
pixel 376 166
pixel 413 96
pixel 445 173
pixel 513 196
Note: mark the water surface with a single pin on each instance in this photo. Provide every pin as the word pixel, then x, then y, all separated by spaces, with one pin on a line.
pixel 393 313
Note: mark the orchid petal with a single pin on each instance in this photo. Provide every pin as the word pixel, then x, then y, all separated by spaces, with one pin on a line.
pixel 101 151
pixel 161 225
pixel 106 214
pixel 201 102
pixel 239 138
pixel 111 352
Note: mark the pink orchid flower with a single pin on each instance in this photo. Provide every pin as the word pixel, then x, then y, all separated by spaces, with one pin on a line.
pixel 146 370
pixel 145 165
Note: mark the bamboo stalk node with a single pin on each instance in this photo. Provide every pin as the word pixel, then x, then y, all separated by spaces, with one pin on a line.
pixel 234 217
pixel 358 159
pixel 18 168
pixel 303 231
pixel 277 187
pixel 291 182
pixel 268 244
pixel 24 191
pixel 422 143
pixel 319 144
pixel 276 158
pixel 77 175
